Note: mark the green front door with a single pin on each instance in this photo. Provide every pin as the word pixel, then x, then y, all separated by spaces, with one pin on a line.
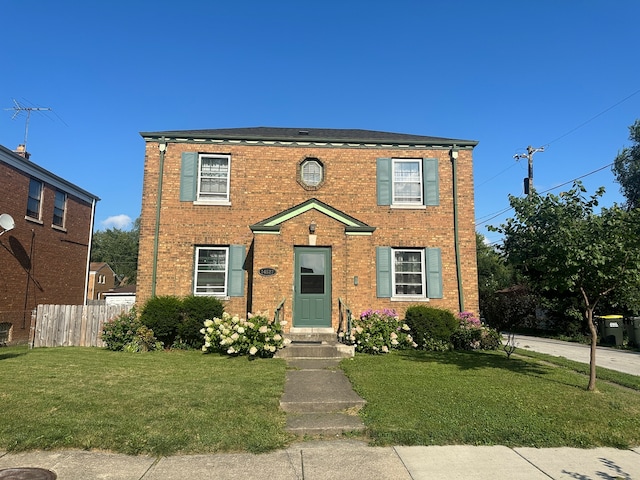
pixel 312 299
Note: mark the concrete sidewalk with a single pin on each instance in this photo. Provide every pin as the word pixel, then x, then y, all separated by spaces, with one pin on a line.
pixel 343 459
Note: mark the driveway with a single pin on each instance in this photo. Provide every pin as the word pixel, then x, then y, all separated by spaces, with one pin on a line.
pixel 620 360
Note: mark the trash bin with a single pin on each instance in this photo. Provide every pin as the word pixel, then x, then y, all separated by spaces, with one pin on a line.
pixel 611 329
pixel 633 330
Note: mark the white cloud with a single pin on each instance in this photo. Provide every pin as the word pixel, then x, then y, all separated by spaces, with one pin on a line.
pixel 121 222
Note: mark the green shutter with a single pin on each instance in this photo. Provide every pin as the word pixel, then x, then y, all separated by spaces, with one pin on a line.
pixel 236 271
pixel 434 272
pixel 383 272
pixel 188 176
pixel 430 181
pixel 383 181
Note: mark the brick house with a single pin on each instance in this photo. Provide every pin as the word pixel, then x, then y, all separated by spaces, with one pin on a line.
pixel 44 259
pixel 102 279
pixel 262 215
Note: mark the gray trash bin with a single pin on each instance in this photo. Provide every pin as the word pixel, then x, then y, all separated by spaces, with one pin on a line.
pixel 611 329
pixel 633 330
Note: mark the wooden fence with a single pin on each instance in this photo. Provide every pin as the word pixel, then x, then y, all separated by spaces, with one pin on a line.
pixel 71 325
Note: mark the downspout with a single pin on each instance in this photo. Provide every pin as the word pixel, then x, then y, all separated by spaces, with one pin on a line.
pixel 456 233
pixel 162 146
pixel 86 275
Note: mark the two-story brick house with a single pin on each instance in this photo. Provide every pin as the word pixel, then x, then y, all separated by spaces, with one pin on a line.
pixel 44 259
pixel 309 216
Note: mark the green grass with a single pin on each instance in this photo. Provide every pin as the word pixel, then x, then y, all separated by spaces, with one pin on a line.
pixel 157 403
pixel 482 398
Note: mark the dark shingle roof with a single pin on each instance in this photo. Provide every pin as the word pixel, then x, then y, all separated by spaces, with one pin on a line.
pixel 308 135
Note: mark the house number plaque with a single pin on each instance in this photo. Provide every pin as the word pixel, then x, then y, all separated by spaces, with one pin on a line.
pixel 267 272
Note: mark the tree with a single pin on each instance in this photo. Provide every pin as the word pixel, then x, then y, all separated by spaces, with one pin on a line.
pixel 626 168
pixel 563 247
pixel 118 248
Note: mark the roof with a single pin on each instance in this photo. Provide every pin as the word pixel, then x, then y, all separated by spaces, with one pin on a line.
pixel 22 164
pixel 278 134
pixel 97 266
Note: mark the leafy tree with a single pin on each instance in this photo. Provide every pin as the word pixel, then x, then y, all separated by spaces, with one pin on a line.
pixel 493 273
pixel 563 247
pixel 626 168
pixel 118 248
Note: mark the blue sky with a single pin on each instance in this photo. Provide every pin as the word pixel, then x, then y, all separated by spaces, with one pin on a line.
pixel 556 73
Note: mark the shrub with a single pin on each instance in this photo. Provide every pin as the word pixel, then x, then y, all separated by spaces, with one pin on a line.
pixel 429 323
pixel 379 332
pixel 162 315
pixel 126 332
pixel 473 335
pixel 195 310
pixel 257 336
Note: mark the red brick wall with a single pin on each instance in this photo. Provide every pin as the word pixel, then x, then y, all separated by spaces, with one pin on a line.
pixel 39 264
pixel 264 183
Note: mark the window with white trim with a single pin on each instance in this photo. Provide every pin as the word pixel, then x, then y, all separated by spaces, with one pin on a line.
pixel 59 208
pixel 408 273
pixel 213 177
pixel 407 181
pixel 34 202
pixel 311 172
pixel 211 271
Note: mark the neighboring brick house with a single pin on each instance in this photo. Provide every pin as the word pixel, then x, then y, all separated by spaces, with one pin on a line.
pixel 44 259
pixel 102 278
pixel 308 216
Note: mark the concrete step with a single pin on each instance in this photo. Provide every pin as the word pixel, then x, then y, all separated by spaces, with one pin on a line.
pixel 316 350
pixel 316 391
pixel 323 424
pixel 312 336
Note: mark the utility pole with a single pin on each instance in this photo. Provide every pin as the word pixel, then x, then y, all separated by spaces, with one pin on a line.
pixel 20 108
pixel 528 182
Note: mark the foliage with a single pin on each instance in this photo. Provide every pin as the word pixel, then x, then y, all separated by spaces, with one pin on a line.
pixel 564 248
pixel 195 310
pixel 126 332
pixel 494 274
pixel 626 168
pixel 257 336
pixel 429 323
pixel 156 404
pixel 380 331
pixel 510 308
pixel 482 398
pixel 118 248
pixel 163 314
pixel 473 335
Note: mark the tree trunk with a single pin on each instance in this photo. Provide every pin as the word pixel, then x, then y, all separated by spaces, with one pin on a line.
pixel 594 342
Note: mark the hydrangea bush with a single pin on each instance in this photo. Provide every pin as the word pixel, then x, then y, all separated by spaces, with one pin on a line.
pixel 473 335
pixel 379 331
pixel 127 333
pixel 256 336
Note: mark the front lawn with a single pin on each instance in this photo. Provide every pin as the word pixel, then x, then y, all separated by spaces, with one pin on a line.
pixel 482 398
pixel 158 403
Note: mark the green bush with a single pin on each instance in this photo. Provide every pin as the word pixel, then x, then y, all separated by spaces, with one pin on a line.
pixel 473 335
pixel 126 333
pixel 163 315
pixel 429 323
pixel 195 310
pixel 379 331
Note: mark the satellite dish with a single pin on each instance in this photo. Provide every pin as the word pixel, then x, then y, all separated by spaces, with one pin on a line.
pixel 6 223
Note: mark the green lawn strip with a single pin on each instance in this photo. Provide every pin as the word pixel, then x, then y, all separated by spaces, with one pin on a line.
pixel 483 398
pixel 624 379
pixel 158 403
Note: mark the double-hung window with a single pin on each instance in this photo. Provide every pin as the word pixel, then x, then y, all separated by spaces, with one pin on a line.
pixel 213 177
pixel 59 208
pixel 408 273
pixel 34 202
pixel 211 271
pixel 407 181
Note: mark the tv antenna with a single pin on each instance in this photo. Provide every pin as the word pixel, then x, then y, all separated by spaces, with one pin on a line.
pixel 18 108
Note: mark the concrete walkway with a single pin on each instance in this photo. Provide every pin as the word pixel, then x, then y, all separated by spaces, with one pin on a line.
pixel 344 459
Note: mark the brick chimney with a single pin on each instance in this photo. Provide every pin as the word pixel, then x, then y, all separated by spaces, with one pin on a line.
pixel 22 151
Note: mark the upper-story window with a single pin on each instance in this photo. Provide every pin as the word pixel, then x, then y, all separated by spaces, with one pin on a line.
pixel 213 177
pixel 311 172
pixel 34 202
pixel 59 208
pixel 407 181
